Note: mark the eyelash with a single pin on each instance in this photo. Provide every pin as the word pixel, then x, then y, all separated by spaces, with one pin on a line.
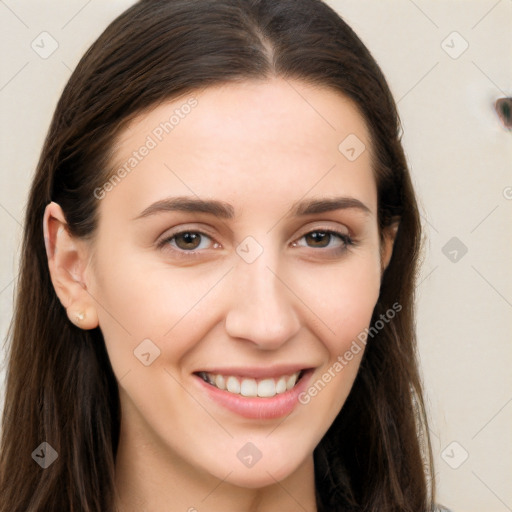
pixel 347 240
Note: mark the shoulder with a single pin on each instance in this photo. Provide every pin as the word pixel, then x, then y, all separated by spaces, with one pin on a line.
pixel 441 508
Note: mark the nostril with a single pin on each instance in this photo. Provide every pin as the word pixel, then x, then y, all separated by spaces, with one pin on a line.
pixel 504 109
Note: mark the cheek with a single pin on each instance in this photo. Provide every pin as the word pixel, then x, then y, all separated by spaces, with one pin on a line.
pixel 139 302
pixel 344 306
pixel 343 298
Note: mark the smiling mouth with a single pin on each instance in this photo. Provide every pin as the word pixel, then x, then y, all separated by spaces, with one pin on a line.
pixel 248 387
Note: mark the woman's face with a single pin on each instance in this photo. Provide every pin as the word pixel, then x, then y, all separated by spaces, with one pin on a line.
pixel 240 249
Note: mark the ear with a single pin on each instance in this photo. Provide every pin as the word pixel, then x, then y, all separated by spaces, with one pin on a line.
pixel 387 243
pixel 68 258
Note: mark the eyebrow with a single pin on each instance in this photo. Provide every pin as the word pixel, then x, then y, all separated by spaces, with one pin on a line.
pixel 328 205
pixel 226 211
pixel 190 204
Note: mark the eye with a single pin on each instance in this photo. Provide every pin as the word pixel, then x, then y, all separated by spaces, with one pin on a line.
pixel 325 239
pixel 189 241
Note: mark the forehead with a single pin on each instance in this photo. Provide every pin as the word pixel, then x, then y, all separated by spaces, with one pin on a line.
pixel 277 138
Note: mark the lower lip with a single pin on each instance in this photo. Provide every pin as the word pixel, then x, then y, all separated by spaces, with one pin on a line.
pixel 255 407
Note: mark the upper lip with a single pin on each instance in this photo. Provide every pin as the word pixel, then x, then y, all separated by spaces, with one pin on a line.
pixel 256 372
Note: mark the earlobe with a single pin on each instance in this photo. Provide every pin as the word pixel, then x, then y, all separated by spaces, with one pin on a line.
pixel 85 319
pixel 67 260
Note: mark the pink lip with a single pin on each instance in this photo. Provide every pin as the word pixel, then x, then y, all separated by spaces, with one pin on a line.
pixel 267 372
pixel 254 407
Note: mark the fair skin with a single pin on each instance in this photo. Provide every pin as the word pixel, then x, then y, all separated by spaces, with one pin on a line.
pixel 260 147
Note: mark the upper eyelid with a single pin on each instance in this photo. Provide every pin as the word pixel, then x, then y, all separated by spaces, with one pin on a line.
pixel 305 231
pixel 178 230
pixel 324 226
pixel 344 231
pixel 310 226
pixel 225 227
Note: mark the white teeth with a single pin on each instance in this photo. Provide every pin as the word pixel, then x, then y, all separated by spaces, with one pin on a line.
pixel 220 382
pixel 265 388
pixel 233 385
pixel 292 379
pixel 281 385
pixel 249 387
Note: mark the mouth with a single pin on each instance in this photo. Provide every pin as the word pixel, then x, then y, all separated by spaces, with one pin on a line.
pixel 256 393
pixel 267 387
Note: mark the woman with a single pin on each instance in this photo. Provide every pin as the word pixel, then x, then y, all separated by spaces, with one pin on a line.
pixel 216 299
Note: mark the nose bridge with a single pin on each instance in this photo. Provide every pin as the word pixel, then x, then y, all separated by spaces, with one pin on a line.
pixel 260 285
pixel 261 308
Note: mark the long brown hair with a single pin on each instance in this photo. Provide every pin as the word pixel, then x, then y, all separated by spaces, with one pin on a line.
pixel 60 386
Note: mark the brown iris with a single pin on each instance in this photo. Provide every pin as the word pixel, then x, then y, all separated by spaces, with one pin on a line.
pixel 188 241
pixel 318 238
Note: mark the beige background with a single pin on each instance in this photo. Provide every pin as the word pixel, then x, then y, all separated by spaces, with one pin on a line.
pixel 460 158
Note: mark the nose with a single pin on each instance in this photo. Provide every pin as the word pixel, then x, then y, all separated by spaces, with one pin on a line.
pixel 262 309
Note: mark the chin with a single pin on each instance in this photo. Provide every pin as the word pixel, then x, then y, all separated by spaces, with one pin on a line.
pixel 263 473
pixel 253 478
